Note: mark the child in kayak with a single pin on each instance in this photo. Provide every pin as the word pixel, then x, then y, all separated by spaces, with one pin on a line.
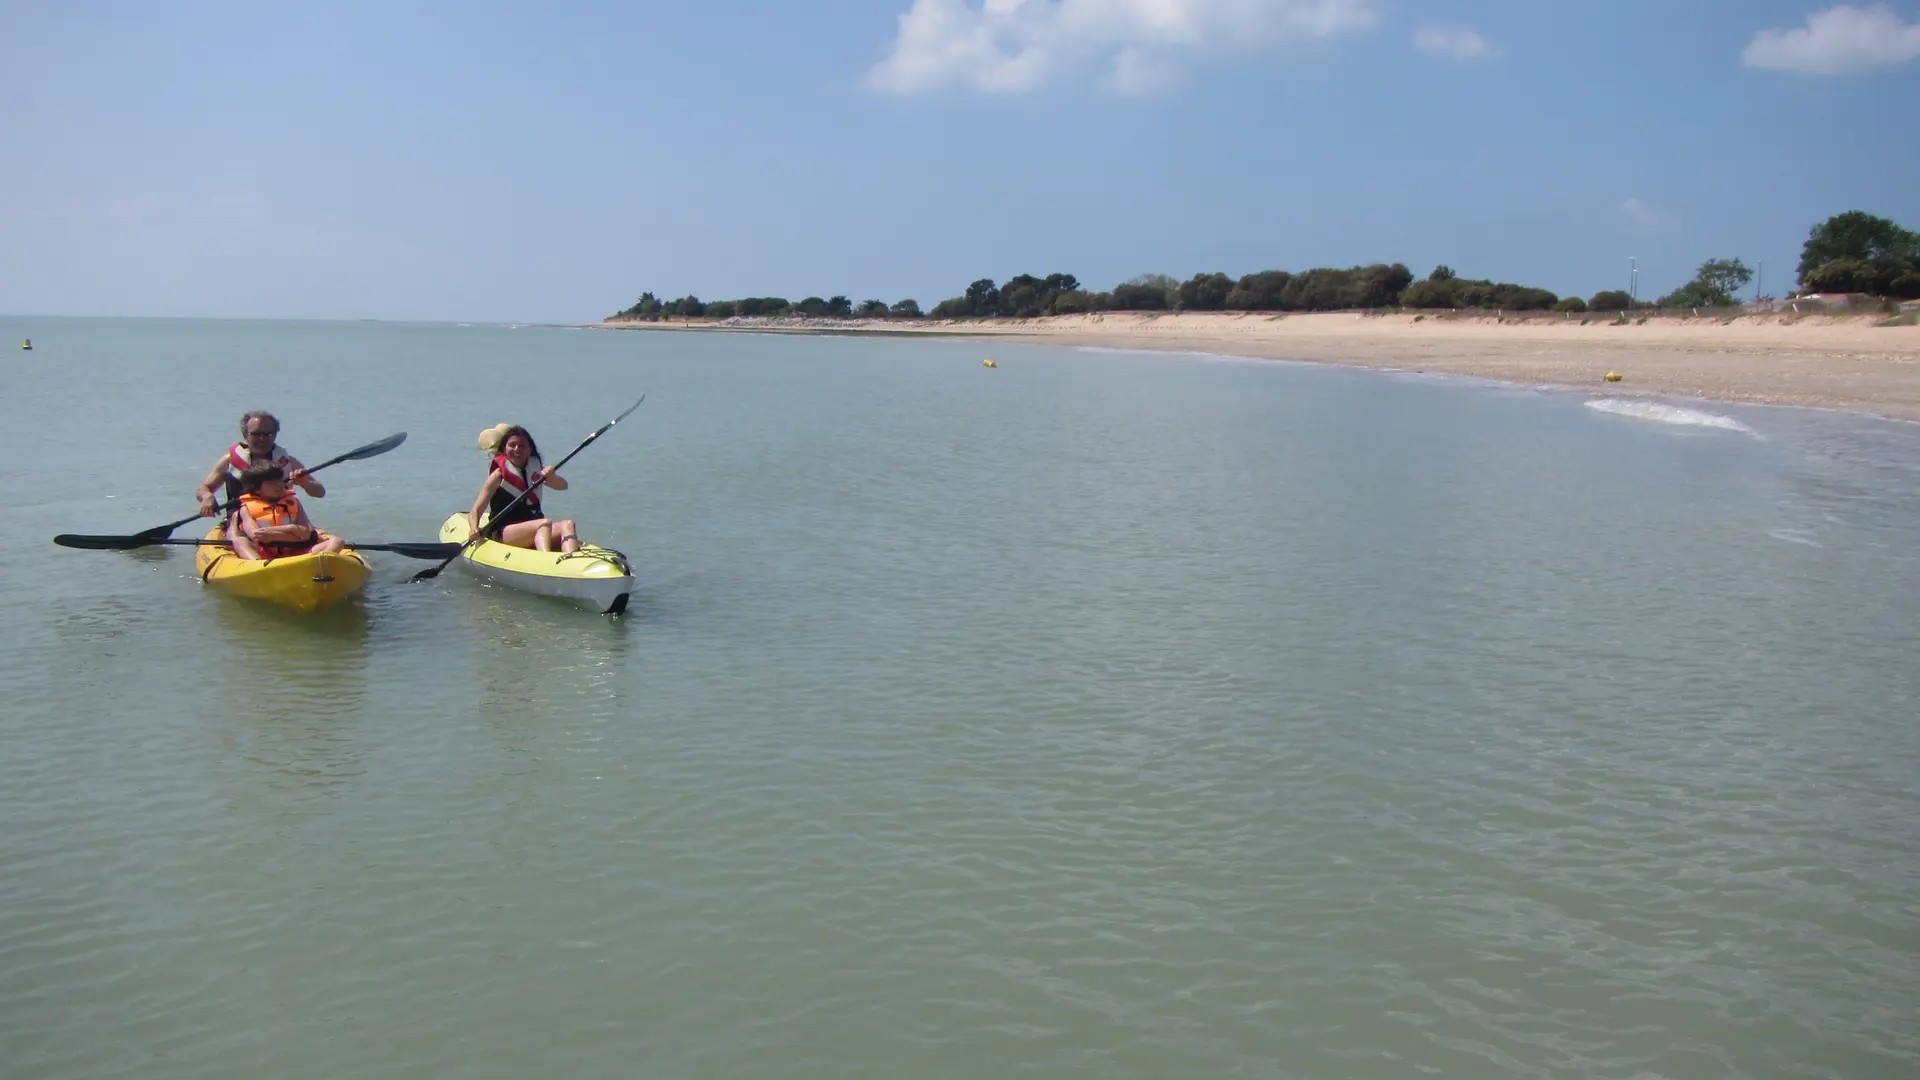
pixel 270 523
pixel 517 468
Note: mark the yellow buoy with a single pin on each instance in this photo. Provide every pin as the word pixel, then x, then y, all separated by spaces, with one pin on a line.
pixel 1613 376
pixel 988 363
pixel 26 343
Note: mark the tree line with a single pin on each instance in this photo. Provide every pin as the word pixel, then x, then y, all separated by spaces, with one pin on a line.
pixel 1851 252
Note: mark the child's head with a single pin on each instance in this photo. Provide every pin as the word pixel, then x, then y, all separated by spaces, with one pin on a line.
pixel 264 480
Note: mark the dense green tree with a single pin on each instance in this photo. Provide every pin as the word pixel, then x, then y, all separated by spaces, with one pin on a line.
pixel 1205 292
pixel 648 305
pixel 872 309
pixel 1471 294
pixel 1443 272
pixel 1859 236
pixel 1610 300
pixel 982 298
pixel 765 306
pixel 1713 285
pixel 1376 286
pixel 905 309
pixel 839 306
pixel 721 309
pixel 1169 289
pixel 1073 302
pixel 1264 291
pixel 1023 297
pixel 1723 278
pixel 1139 296
pixel 1571 304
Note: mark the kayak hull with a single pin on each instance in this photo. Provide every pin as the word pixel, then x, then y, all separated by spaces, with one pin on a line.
pixel 300 582
pixel 596 578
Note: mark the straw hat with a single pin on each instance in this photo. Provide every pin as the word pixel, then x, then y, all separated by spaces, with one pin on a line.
pixel 491 438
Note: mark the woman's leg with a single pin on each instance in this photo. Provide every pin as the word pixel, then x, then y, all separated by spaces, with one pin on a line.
pixel 522 533
pixel 563 531
pixel 543 540
pixel 329 544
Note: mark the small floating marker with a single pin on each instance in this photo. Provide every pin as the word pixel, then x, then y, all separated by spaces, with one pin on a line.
pixel 1613 376
pixel 988 363
pixel 26 343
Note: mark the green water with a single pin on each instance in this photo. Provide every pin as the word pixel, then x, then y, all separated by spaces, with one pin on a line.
pixel 1099 714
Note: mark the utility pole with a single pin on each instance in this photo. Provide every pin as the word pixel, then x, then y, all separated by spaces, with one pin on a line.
pixel 1760 280
pixel 1633 281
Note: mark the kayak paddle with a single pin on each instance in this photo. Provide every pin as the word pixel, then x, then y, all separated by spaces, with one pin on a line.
pixel 432 572
pixel 372 449
pixel 126 543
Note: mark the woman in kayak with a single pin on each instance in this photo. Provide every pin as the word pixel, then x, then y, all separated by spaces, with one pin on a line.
pixel 517 468
pixel 258 432
pixel 270 523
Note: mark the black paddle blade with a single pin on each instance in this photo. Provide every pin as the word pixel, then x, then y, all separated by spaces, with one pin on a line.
pixel 372 449
pixel 414 551
pixel 432 572
pixel 110 543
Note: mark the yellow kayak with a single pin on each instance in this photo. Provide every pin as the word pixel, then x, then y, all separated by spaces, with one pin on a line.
pixel 301 582
pixel 593 577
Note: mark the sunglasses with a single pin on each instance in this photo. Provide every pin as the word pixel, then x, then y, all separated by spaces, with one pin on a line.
pixel 263 433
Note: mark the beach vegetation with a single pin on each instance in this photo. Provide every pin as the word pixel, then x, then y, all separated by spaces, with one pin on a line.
pixel 1854 252
pixel 1139 296
pixel 1205 292
pixel 1857 252
pixel 1458 292
pixel 1714 285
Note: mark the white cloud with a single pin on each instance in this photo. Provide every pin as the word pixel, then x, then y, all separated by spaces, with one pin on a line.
pixel 1842 40
pixel 1453 42
pixel 1139 46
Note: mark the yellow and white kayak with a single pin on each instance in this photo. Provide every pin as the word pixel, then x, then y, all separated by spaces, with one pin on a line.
pixel 593 577
pixel 301 582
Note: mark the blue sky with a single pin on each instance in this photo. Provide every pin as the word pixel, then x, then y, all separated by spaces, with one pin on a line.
pixel 487 161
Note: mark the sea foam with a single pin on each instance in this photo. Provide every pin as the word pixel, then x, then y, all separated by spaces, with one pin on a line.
pixel 1667 414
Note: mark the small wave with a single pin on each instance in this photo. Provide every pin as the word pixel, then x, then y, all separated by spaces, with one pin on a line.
pixel 1794 536
pixel 1667 414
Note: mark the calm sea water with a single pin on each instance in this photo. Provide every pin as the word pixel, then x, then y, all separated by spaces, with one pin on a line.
pixel 1102 714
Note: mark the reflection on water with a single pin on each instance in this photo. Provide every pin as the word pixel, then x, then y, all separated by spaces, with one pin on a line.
pixel 546 662
pixel 288 688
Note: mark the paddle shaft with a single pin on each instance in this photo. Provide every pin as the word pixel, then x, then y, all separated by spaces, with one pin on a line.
pixel 372 449
pixel 410 550
pixel 493 520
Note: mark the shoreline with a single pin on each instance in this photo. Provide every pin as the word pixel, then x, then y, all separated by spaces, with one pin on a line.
pixel 1849 362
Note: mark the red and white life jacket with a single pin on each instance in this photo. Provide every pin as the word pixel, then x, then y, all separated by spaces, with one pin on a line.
pixel 239 457
pixel 513 481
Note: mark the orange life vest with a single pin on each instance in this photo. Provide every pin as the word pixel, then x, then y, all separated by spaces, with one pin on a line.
pixel 282 511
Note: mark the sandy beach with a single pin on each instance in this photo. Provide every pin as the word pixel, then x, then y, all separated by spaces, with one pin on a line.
pixel 1833 361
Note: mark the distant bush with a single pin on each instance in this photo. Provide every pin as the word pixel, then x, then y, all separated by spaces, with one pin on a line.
pixel 1571 304
pixel 1610 300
